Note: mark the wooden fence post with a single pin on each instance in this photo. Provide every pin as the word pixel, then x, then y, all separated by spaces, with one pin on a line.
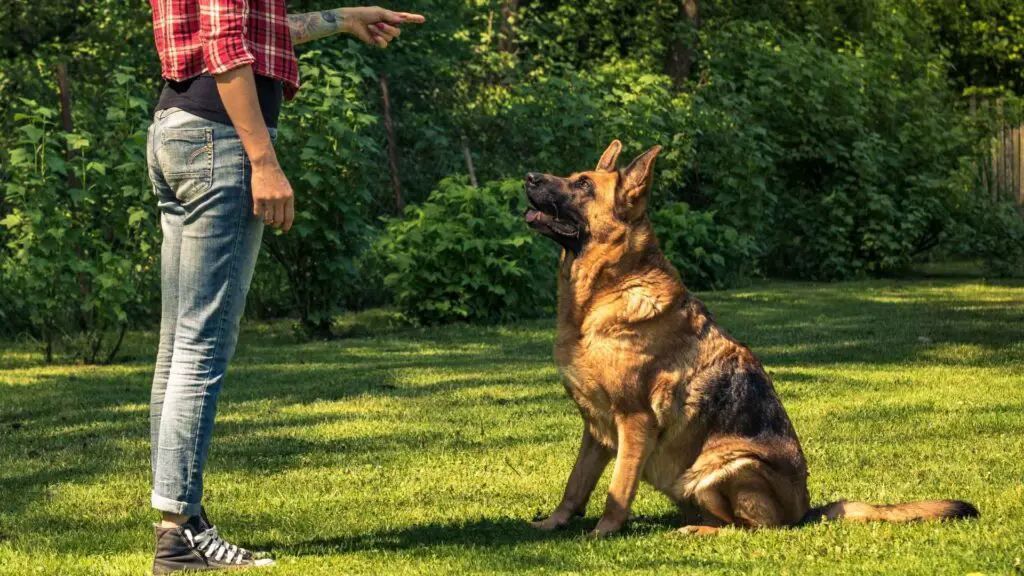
pixel 1019 154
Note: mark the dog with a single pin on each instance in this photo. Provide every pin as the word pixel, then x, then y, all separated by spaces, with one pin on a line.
pixel 660 385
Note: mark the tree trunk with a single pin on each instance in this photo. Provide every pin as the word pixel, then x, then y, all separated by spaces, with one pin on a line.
pixel 682 52
pixel 507 38
pixel 392 146
pixel 469 162
pixel 117 345
pixel 65 114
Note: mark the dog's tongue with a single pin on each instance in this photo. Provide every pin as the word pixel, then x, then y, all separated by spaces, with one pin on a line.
pixel 533 215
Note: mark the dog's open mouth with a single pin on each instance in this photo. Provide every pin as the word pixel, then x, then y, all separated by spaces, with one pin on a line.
pixel 540 220
pixel 533 216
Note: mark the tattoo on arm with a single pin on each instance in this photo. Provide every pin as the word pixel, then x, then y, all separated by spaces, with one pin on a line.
pixel 311 26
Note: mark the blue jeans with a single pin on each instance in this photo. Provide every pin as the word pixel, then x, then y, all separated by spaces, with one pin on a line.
pixel 202 180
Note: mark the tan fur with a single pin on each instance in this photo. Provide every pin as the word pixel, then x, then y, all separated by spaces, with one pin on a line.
pixel 639 355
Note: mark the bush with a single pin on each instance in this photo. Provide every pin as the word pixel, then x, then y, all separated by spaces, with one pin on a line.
pixel 564 118
pixel 993 232
pixel 466 254
pixel 838 162
pixel 328 151
pixel 1000 241
pixel 709 255
pixel 80 231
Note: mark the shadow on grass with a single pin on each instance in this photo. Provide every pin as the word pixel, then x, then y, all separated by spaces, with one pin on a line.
pixel 871 323
pixel 495 535
pixel 483 532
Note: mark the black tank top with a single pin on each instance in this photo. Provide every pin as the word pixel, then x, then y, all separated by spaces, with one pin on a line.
pixel 199 96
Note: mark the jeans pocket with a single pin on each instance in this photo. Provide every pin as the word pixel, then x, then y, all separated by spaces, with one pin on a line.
pixel 185 156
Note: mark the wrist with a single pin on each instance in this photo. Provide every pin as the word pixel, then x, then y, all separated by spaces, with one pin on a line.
pixel 263 159
pixel 344 16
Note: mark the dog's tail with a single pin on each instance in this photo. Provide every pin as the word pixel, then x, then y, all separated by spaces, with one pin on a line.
pixel 864 512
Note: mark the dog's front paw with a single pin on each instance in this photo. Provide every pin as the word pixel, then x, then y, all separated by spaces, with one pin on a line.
pixel 605 528
pixel 551 523
pixel 698 530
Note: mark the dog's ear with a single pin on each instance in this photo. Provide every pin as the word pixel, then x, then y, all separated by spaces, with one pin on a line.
pixel 634 184
pixel 610 157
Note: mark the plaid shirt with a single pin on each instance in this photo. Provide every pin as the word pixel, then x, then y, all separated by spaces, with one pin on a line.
pixel 196 36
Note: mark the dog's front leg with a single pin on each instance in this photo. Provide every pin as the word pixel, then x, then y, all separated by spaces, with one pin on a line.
pixel 590 463
pixel 637 433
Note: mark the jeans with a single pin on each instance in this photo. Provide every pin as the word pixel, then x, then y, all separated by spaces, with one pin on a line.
pixel 202 180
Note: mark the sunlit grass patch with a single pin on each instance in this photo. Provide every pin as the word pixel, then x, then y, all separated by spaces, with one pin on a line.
pixel 425 450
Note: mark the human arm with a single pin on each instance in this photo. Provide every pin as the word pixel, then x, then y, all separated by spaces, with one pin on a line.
pixel 272 195
pixel 228 58
pixel 372 25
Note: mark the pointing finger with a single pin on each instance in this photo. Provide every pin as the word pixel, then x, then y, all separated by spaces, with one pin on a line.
pixel 406 17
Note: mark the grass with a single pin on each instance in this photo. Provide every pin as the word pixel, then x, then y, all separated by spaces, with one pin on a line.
pixel 426 450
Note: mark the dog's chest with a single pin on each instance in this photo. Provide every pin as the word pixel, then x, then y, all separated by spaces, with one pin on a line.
pixel 594 401
pixel 599 376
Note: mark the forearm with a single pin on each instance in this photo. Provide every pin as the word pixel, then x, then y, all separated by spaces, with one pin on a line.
pixel 237 90
pixel 311 26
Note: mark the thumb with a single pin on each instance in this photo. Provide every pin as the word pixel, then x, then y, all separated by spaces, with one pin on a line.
pixel 362 32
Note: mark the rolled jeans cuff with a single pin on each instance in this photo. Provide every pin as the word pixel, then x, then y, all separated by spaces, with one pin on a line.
pixel 174 507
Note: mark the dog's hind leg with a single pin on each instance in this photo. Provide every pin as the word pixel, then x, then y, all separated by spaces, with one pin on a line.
pixel 747 492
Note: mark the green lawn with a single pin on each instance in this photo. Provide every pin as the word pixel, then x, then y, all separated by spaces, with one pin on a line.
pixel 426 451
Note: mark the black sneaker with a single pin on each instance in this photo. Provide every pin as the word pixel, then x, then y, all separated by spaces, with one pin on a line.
pixel 196 547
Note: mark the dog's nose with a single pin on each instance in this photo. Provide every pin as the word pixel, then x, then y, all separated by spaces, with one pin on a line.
pixel 533 178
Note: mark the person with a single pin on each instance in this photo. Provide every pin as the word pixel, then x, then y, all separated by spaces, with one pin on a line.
pixel 228 65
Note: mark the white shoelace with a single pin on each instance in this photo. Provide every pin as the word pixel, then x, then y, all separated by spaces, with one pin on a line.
pixel 213 546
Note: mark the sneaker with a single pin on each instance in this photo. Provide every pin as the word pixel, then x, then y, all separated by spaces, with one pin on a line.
pixel 196 547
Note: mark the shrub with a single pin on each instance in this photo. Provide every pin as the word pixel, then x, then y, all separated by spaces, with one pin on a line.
pixel 838 162
pixel 709 255
pixel 80 232
pixel 466 254
pixel 1001 241
pixel 993 232
pixel 564 118
pixel 328 151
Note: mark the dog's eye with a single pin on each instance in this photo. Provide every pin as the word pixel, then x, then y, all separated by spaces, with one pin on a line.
pixel 585 185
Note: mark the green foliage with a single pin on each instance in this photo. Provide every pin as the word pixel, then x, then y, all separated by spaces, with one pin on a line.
pixel 330 154
pixel 985 39
pixel 465 254
pixel 1000 240
pixel 826 134
pixel 79 223
pixel 427 451
pixel 709 255
pixel 565 119
pixel 835 162
pixel 992 232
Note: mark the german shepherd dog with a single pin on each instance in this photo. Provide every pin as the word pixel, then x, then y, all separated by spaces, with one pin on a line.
pixel 660 385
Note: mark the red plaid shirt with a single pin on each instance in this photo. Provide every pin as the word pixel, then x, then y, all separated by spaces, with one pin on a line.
pixel 196 36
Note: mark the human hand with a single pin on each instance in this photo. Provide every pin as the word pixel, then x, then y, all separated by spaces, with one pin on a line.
pixel 377 26
pixel 272 196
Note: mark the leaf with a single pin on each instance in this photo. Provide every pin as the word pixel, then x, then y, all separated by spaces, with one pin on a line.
pixel 11 220
pixel 97 167
pixel 57 164
pixel 21 157
pixel 136 216
pixel 33 133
